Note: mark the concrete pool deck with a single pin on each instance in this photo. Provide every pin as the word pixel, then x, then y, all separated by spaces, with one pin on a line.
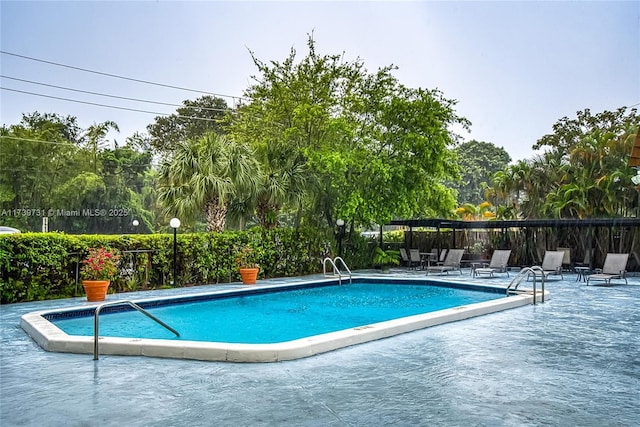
pixel 573 360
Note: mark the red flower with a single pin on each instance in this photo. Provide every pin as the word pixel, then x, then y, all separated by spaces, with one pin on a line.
pixel 101 264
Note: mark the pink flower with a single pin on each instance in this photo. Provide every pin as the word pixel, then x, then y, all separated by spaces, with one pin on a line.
pixel 101 264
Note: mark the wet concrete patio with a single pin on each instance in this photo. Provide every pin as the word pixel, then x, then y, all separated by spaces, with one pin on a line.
pixel 573 360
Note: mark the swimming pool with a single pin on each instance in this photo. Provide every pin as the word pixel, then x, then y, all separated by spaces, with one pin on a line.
pixel 391 307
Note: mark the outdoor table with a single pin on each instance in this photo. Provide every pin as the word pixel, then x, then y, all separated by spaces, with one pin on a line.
pixel 428 257
pixel 474 263
pixel 582 273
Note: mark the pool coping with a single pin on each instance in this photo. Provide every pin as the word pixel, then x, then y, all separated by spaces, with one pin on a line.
pixel 51 338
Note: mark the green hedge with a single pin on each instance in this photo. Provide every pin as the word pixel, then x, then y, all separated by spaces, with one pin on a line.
pixel 37 266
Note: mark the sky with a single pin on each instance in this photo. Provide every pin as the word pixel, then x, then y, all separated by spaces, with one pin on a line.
pixel 515 67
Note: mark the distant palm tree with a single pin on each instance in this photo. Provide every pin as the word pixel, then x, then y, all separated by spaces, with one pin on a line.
pixel 95 134
pixel 205 176
pixel 283 181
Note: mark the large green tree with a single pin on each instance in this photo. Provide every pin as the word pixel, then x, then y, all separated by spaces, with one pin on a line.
pixel 49 166
pixel 191 121
pixel 96 139
pixel 52 126
pixel 478 162
pixel 36 156
pixel 371 147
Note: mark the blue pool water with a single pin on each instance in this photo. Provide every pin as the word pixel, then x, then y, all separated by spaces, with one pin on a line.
pixel 281 315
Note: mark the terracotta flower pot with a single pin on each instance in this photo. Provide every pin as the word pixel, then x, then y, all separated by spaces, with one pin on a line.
pixel 249 275
pixel 96 290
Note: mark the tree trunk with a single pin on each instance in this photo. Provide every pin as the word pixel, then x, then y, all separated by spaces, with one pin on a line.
pixel 267 214
pixel 216 215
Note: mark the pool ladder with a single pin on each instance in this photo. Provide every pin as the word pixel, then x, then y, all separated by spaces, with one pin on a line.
pixel 96 317
pixel 525 273
pixel 336 271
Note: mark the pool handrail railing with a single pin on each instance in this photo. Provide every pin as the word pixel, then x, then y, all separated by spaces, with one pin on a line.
pixel 96 316
pixel 336 270
pixel 523 274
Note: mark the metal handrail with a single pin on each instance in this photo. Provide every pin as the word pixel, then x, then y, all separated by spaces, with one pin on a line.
pixel 324 266
pixel 524 274
pixel 130 303
pixel 344 264
pixel 538 269
pixel 336 270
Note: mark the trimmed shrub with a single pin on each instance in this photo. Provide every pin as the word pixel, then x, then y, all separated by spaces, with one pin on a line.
pixel 37 266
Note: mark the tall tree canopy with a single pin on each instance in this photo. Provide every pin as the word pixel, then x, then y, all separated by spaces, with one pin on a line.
pixel 36 156
pixel 51 167
pixel 478 162
pixel 583 174
pixel 192 121
pixel 371 147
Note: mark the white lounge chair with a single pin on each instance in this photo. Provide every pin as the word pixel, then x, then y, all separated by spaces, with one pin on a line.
pixel 405 258
pixel 498 263
pixel 451 262
pixel 615 267
pixel 443 255
pixel 414 255
pixel 566 260
pixel 552 263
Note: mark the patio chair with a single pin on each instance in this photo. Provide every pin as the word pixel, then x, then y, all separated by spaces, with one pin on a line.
pixel 552 263
pixel 498 263
pixel 586 262
pixel 404 257
pixel 566 260
pixel 451 262
pixel 414 255
pixel 439 260
pixel 615 267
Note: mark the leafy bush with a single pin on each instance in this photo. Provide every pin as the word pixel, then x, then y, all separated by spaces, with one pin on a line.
pixel 100 264
pixel 37 266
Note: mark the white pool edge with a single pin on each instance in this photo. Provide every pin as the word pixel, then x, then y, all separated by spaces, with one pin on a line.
pixel 51 338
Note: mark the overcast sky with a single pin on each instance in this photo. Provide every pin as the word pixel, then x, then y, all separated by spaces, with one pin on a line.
pixel 515 67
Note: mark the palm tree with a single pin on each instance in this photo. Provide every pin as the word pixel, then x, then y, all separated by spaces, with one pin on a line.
pixel 283 181
pixel 96 133
pixel 508 186
pixel 205 176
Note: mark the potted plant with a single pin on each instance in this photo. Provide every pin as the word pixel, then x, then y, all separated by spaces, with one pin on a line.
pixel 385 259
pixel 247 265
pixel 98 269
